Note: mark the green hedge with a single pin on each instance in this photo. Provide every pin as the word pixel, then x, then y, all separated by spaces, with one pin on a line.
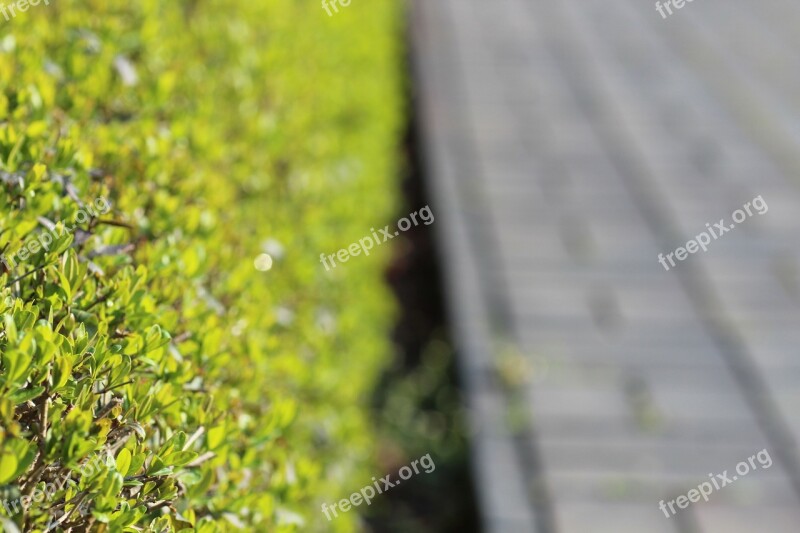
pixel 208 394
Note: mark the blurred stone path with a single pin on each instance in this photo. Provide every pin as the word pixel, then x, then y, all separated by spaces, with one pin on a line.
pixel 568 144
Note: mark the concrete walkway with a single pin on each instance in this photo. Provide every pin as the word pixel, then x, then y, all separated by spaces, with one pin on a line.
pixel 568 144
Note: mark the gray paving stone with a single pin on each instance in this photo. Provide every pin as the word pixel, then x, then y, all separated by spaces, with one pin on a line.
pixel 611 518
pixel 571 143
pixel 649 488
pixel 739 519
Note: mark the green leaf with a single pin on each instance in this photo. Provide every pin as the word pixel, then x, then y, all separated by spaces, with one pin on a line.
pixel 73 270
pixel 190 476
pixel 24 452
pixel 158 467
pixel 156 338
pixel 65 285
pixel 216 436
pixel 10 328
pixel 112 484
pixel 123 461
pixel 23 395
pixel 16 364
pixel 136 463
pixel 8 466
pixel 61 372
pixel 180 458
pixel 63 241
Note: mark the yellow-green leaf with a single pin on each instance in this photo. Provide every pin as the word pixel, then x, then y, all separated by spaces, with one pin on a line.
pixel 8 467
pixel 123 461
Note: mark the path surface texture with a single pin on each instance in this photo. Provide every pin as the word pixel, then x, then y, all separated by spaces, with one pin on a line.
pixel 618 203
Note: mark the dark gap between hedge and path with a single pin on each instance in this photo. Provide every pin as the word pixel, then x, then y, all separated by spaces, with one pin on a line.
pixel 442 501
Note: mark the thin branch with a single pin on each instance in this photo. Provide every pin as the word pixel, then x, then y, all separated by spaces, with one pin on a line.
pixel 13 281
pixel 196 435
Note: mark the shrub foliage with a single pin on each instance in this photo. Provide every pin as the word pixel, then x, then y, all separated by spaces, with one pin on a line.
pixel 216 396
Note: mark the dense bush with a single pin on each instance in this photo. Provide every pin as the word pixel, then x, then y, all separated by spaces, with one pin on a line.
pixel 211 395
